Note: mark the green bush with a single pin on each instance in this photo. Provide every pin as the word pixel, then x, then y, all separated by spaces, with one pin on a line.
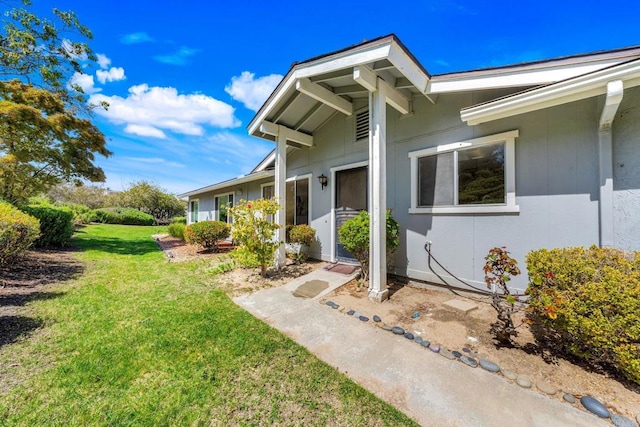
pixel 300 236
pixel 354 236
pixel 18 231
pixel 244 257
pixel 81 213
pixel 176 229
pixel 586 302
pixel 206 233
pixel 125 216
pixel 179 220
pixel 56 224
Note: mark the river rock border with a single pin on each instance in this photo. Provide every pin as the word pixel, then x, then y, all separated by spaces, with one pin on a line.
pixel 471 359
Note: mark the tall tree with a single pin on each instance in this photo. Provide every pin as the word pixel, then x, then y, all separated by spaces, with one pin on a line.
pixel 46 133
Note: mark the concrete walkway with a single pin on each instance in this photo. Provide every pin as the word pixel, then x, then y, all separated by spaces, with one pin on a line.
pixel 427 387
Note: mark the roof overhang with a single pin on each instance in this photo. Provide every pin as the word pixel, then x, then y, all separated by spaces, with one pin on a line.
pixel 573 89
pixel 314 90
pixel 230 183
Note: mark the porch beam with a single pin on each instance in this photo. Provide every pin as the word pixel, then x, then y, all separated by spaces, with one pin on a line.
pixel 394 97
pixel 276 117
pixel 350 90
pixel 308 116
pixel 319 93
pixel 287 133
pixel 330 76
pixel 365 78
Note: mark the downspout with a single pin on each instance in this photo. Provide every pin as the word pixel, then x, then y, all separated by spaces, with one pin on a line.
pixel 615 91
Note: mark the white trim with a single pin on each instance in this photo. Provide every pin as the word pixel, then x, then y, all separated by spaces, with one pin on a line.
pixel 509 206
pixel 333 171
pixel 320 94
pixel 267 184
pixel 216 211
pixel 232 182
pixel 308 177
pixel 287 133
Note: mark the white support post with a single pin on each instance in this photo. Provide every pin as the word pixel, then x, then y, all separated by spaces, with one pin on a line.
pixel 281 195
pixel 378 190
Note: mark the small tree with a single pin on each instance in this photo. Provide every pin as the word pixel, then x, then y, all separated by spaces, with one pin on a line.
pixel 253 230
pixel 206 234
pixel 498 270
pixel 354 236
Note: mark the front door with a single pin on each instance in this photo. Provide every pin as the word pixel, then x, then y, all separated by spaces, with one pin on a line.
pixel 351 198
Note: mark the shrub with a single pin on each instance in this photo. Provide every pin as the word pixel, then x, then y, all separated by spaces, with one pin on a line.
pixel 81 213
pixel 253 230
pixel 56 224
pixel 498 269
pixel 125 216
pixel 244 258
pixel 299 236
pixel 354 236
pixel 179 220
pixel 206 233
pixel 586 302
pixel 176 229
pixel 18 231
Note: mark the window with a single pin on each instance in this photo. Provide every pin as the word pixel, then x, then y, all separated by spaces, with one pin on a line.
pixel 474 176
pixel 222 204
pixel 297 201
pixel 268 193
pixel 193 210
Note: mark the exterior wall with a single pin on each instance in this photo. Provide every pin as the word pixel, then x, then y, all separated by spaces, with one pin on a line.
pixel 556 183
pixel 206 203
pixel 626 172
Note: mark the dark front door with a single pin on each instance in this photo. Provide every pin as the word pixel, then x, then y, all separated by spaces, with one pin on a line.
pixel 351 198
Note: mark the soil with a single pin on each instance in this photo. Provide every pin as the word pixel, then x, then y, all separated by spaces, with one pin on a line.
pixel 419 309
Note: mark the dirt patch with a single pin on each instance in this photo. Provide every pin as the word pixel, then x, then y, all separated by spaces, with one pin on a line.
pixel 421 311
pixel 237 281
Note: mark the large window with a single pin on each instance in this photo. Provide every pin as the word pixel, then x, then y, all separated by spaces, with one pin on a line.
pixel 222 204
pixel 474 176
pixel 297 201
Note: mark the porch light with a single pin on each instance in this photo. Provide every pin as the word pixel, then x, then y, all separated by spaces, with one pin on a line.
pixel 323 181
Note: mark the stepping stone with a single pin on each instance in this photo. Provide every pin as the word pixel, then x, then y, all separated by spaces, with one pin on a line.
pixel 418 339
pixel 466 350
pixel 386 327
pixel 469 361
pixel 546 387
pixel 568 397
pixel 459 305
pixel 364 318
pixel 397 330
pixel 408 335
pixel 376 318
pixel 620 421
pixel 523 381
pixel 490 366
pixel 435 348
pixel 350 312
pixel 508 374
pixel 447 354
pixel 357 314
pixel 330 303
pixel 425 343
pixel 594 406
pixel 456 354
pixel 335 306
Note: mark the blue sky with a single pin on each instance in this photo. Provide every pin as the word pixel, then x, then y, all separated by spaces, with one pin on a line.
pixel 184 78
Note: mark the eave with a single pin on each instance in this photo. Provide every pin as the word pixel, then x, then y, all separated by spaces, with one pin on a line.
pixel 229 183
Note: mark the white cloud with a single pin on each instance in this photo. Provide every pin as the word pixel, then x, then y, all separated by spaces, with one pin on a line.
pixel 178 58
pixel 250 91
pixel 133 38
pixel 85 82
pixel 103 61
pixel 114 74
pixel 150 111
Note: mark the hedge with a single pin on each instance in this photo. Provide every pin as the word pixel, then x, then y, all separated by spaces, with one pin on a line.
pixel 206 233
pixel 586 302
pixel 176 229
pixel 125 216
pixel 56 224
pixel 18 231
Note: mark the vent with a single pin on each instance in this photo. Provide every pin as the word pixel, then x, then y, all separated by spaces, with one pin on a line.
pixel 362 125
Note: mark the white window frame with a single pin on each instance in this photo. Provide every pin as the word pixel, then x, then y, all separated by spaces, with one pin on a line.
pixel 267 184
pixel 510 177
pixel 306 176
pixel 190 212
pixel 216 212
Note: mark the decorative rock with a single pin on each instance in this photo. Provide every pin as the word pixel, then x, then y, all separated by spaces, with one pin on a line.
pixel 508 374
pixel 386 327
pixel 330 303
pixel 364 318
pixel 456 354
pixel 350 312
pixel 408 335
pixel 620 421
pixel 447 354
pixel 425 343
pixel 490 366
pixel 418 339
pixel 466 350
pixel 435 348
pixel 523 381
pixel 595 407
pixel 335 306
pixel 376 318
pixel 357 314
pixel 469 361
pixel 416 315
pixel 397 330
pixel 546 387
pixel 568 397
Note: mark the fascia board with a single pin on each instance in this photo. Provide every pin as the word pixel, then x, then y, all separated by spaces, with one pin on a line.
pixel 229 183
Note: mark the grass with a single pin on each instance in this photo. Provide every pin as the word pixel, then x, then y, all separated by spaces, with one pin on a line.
pixel 139 341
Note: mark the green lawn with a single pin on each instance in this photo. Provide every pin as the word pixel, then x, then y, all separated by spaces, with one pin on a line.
pixel 139 341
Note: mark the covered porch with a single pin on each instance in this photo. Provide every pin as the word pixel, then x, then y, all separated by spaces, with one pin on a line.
pixel 376 73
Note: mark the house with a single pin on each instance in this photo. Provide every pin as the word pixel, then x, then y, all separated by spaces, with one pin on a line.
pixel 534 155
